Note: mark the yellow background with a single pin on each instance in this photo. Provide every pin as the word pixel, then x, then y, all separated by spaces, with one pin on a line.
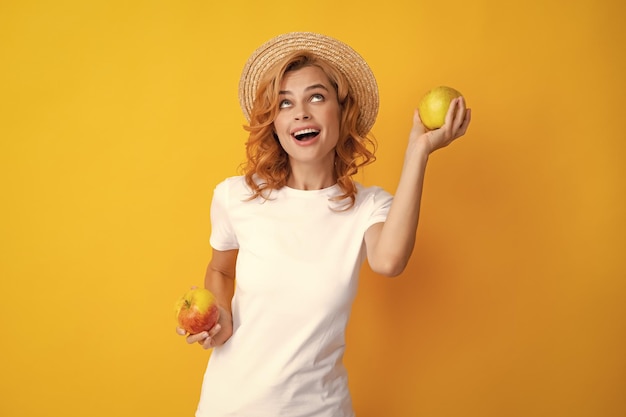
pixel 117 119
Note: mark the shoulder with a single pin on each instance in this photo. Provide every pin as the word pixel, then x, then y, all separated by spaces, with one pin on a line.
pixel 233 186
pixel 230 182
pixel 371 193
pixel 231 190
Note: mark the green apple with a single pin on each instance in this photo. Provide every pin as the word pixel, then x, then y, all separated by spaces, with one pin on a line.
pixel 197 311
pixel 433 107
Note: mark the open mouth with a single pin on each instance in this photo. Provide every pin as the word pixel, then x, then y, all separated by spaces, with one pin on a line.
pixel 305 134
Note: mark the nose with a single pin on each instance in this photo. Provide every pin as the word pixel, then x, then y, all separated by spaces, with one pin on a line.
pixel 302 113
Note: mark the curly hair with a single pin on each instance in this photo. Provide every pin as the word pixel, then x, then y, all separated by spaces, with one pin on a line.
pixel 267 167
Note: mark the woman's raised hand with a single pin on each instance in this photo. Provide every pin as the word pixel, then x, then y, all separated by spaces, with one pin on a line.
pixel 456 124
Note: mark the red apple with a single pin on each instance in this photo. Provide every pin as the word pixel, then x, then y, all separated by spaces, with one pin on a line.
pixel 197 311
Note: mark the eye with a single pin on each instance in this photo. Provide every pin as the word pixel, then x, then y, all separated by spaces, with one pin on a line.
pixel 317 97
pixel 284 104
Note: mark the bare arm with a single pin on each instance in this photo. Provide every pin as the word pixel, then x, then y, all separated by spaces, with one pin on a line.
pixel 220 277
pixel 220 280
pixel 390 244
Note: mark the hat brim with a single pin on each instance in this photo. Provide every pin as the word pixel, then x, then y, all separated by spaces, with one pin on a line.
pixel 361 80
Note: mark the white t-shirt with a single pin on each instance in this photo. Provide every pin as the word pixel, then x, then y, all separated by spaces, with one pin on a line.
pixel 296 277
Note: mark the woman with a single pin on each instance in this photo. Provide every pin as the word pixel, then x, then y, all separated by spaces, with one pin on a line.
pixel 295 229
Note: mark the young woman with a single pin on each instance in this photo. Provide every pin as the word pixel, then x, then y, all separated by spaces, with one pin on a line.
pixel 295 228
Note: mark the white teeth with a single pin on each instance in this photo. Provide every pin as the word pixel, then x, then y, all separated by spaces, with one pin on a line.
pixel 305 131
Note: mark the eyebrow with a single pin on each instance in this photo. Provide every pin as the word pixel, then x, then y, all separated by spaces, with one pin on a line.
pixel 311 87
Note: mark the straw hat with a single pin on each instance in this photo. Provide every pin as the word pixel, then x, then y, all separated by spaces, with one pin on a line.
pixel 359 75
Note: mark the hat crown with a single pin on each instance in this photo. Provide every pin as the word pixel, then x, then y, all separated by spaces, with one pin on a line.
pixel 361 80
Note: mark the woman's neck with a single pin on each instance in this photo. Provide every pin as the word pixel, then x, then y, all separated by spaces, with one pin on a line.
pixel 307 177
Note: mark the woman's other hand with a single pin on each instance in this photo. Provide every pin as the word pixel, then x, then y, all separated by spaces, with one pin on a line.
pixel 216 336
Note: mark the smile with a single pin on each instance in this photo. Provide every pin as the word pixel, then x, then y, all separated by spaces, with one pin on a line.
pixel 305 134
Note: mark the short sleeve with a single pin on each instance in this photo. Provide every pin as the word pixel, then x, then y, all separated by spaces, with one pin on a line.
pixel 223 236
pixel 380 203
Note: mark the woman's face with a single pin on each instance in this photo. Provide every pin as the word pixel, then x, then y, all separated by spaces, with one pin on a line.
pixel 307 124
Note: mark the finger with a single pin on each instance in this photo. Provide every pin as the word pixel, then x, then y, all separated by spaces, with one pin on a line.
pixel 208 343
pixel 200 337
pixel 215 330
pixel 181 331
pixel 450 115
pixel 213 339
pixel 466 122
pixel 459 116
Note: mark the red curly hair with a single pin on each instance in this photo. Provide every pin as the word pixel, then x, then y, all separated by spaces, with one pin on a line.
pixel 267 167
